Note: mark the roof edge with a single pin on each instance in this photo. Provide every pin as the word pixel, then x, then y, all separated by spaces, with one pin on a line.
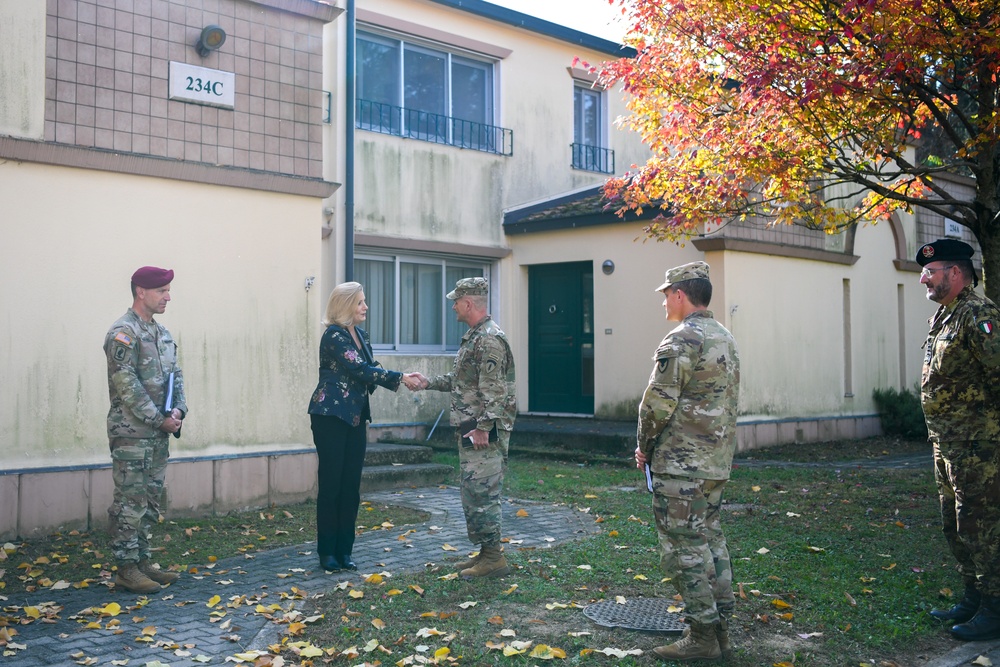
pixel 541 26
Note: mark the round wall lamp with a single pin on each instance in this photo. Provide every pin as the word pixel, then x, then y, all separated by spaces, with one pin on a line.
pixel 212 38
pixel 608 267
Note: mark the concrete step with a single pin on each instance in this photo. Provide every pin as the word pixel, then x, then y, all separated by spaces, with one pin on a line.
pixel 564 438
pixel 387 453
pixel 390 465
pixel 378 478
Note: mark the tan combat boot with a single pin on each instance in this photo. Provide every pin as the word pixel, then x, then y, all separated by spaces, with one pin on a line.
pixel 466 564
pixel 721 634
pixel 700 644
pixel 491 564
pixel 132 580
pixel 161 577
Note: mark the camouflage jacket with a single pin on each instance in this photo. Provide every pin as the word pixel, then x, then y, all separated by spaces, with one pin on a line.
pixel 482 383
pixel 687 418
pixel 140 357
pixel 347 376
pixel 960 383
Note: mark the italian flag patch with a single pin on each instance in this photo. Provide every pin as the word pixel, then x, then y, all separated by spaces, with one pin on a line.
pixel 987 327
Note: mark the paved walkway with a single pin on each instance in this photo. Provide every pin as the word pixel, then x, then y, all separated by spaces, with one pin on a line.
pixel 183 622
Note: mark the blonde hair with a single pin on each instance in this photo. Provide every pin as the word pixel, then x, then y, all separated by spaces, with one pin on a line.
pixel 344 300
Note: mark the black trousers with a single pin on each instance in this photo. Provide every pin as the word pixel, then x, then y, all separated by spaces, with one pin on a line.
pixel 341 450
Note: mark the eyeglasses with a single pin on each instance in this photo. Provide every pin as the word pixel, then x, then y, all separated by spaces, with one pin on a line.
pixel 927 273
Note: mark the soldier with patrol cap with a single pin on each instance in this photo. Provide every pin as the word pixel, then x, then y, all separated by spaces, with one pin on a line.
pixel 687 436
pixel 960 394
pixel 141 357
pixel 483 409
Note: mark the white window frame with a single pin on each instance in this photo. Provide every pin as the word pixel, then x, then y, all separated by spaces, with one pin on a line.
pixel 450 53
pixel 445 262
pixel 602 113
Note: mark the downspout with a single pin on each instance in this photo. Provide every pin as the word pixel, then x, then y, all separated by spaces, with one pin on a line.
pixel 349 145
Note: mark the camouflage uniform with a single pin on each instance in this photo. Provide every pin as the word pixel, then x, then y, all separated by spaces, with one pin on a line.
pixel 960 394
pixel 687 432
pixel 482 389
pixel 140 356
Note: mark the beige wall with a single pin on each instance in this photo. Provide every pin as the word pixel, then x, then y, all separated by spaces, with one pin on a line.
pixel 22 68
pixel 624 302
pixel 787 316
pixel 247 329
pixel 789 322
pixel 415 189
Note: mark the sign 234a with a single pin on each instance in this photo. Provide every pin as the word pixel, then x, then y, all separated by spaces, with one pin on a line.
pixel 197 85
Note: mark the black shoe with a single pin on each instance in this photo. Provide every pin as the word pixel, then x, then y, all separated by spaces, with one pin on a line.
pixel 963 611
pixel 331 564
pixel 347 564
pixel 984 625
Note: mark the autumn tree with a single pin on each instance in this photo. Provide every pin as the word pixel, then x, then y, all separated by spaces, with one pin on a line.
pixel 825 113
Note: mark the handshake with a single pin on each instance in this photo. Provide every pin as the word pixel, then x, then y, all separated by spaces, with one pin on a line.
pixel 415 381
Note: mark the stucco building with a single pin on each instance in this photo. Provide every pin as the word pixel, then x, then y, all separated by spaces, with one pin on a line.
pixel 404 144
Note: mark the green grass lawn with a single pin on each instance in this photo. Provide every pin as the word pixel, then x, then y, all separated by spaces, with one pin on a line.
pixel 835 566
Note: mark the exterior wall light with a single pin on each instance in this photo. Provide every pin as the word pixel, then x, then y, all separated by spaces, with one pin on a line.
pixel 212 38
pixel 608 267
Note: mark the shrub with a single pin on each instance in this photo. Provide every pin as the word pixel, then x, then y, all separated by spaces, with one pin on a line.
pixel 900 413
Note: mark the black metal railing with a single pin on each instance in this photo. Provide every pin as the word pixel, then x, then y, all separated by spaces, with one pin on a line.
pixel 438 129
pixel 593 158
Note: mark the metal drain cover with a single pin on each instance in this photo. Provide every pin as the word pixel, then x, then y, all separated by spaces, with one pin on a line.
pixel 647 614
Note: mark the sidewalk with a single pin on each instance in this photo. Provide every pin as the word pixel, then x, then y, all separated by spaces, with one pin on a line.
pixel 183 621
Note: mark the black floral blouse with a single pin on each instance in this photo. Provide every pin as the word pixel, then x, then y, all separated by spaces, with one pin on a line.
pixel 347 376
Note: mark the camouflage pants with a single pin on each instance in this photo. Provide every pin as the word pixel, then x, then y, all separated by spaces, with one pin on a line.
pixel 968 483
pixel 138 467
pixel 482 482
pixel 693 551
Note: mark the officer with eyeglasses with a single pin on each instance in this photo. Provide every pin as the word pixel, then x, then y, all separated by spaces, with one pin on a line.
pixel 960 395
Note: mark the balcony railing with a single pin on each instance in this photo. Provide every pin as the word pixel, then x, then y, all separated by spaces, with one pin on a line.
pixel 438 129
pixel 593 158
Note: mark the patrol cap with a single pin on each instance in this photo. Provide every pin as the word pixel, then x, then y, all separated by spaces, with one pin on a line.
pixel 944 250
pixel 151 277
pixel 684 272
pixel 469 287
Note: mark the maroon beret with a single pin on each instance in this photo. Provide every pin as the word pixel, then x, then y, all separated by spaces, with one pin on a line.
pixel 151 277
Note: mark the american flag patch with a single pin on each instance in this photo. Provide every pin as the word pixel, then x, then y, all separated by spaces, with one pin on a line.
pixel 123 338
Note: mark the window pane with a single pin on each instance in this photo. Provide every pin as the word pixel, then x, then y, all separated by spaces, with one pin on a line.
pixel 587 117
pixel 378 83
pixel 377 279
pixel 471 91
pixel 454 329
pixel 424 94
pixel 420 305
pixel 472 104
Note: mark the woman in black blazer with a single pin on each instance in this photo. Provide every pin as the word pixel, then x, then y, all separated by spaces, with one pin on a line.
pixel 339 413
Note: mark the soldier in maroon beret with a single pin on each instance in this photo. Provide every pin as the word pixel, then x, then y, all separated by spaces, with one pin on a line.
pixel 147 405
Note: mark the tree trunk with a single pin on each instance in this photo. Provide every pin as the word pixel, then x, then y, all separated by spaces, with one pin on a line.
pixel 988 236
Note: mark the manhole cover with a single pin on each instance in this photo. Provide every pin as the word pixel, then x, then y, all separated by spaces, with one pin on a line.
pixel 647 614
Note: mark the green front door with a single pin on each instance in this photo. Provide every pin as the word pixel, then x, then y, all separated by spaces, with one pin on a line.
pixel 561 338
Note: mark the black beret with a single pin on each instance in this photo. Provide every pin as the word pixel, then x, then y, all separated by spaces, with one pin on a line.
pixel 944 250
pixel 151 277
